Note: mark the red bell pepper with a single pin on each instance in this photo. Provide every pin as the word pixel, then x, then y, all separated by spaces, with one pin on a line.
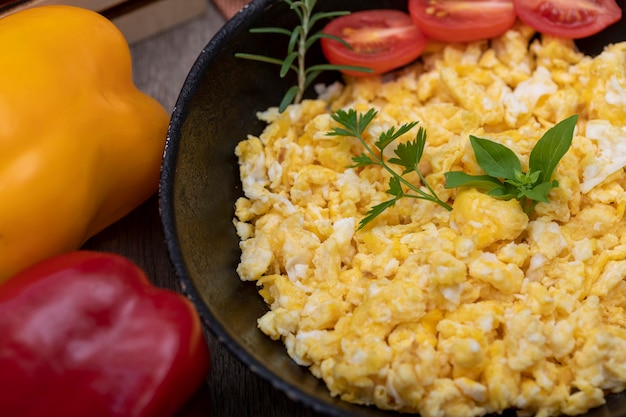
pixel 85 334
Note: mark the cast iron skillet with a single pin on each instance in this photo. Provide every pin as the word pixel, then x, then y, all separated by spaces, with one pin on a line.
pixel 200 183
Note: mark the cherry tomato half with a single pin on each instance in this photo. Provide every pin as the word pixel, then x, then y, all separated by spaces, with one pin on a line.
pixel 568 18
pixel 462 20
pixel 382 40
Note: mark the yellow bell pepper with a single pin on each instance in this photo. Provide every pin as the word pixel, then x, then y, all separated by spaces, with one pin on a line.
pixel 80 144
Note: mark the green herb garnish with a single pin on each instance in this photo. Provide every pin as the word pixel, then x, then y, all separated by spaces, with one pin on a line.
pixel 408 155
pixel 504 176
pixel 300 40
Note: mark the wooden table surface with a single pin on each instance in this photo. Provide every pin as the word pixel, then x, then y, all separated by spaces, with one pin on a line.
pixel 161 64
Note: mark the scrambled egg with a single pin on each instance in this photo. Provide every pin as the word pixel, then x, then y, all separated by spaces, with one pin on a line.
pixel 449 313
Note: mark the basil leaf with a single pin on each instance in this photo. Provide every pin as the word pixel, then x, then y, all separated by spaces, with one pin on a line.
pixel 456 179
pixel 540 192
pixel 501 193
pixel 552 146
pixel 495 159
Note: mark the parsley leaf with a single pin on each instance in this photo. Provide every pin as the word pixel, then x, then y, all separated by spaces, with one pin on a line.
pixel 408 156
pixel 410 153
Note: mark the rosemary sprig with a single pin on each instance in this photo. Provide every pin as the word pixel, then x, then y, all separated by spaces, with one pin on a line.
pixel 408 156
pixel 301 39
pixel 504 177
